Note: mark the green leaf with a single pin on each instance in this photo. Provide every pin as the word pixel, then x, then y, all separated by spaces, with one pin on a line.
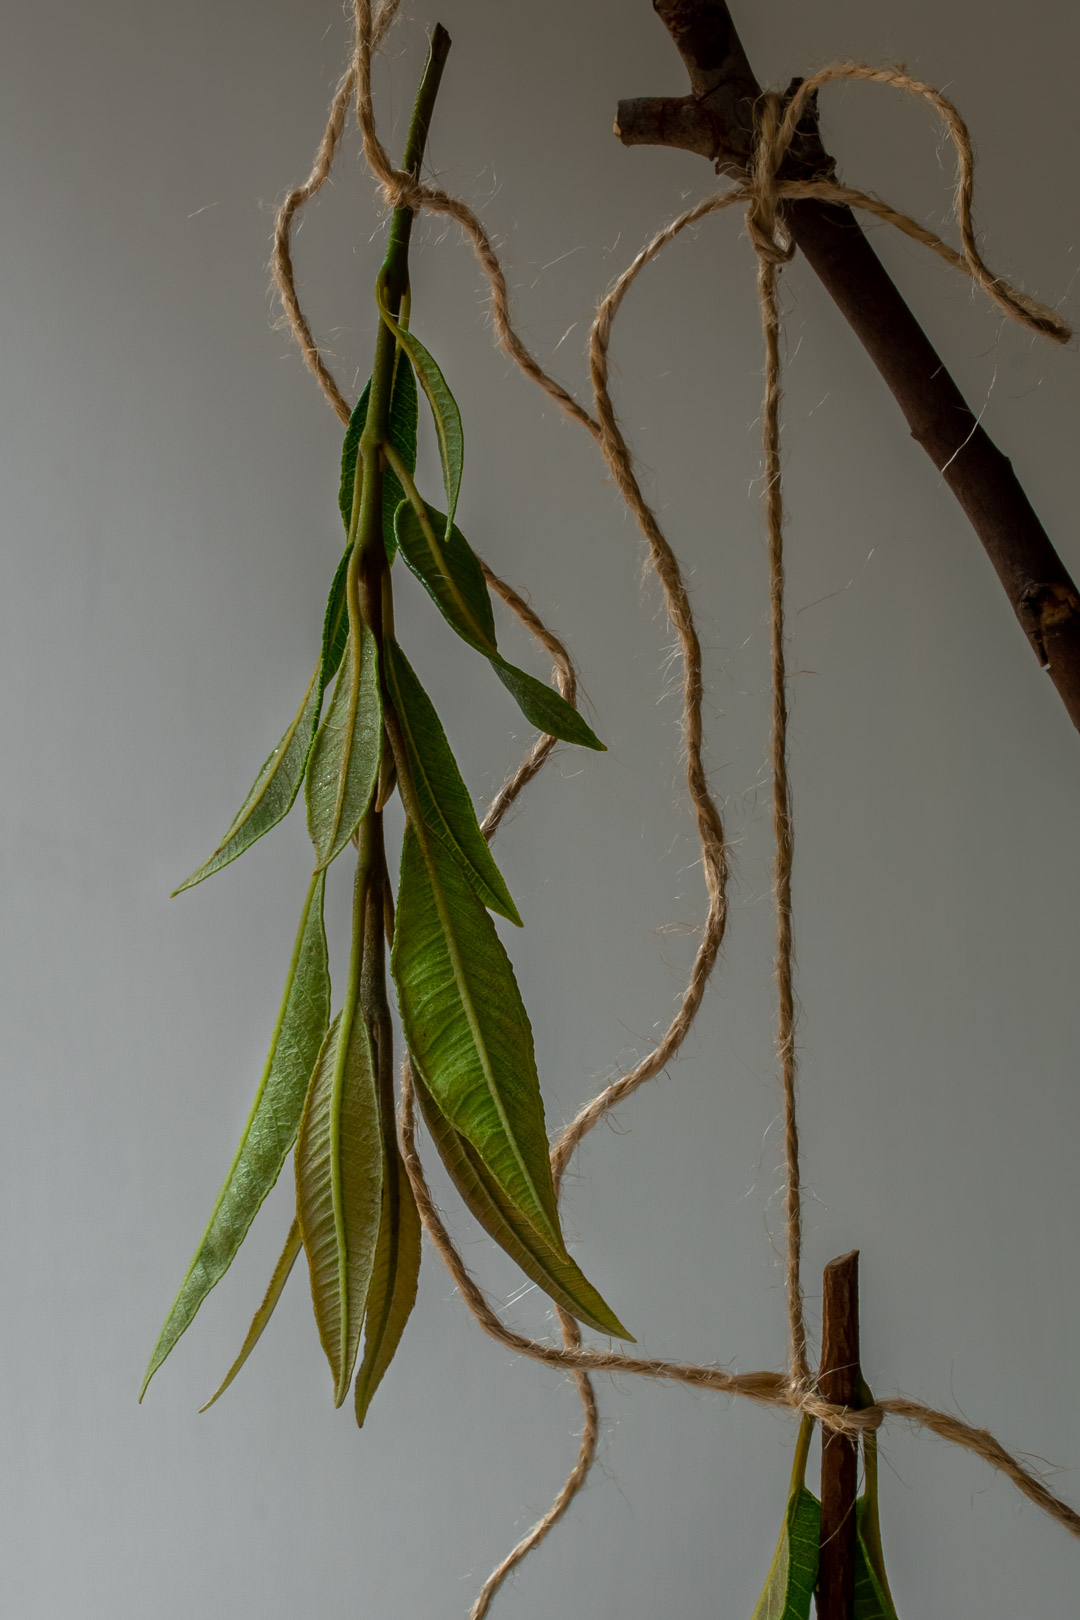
pixel 339 1177
pixel 450 571
pixel 403 425
pixel 265 1311
pixel 466 1027
pixel 271 1125
pixel 344 763
pixel 557 1275
pixel 873 1601
pixel 392 1291
pixel 789 1589
pixel 443 409
pixel 547 709
pixel 273 791
pixel 444 799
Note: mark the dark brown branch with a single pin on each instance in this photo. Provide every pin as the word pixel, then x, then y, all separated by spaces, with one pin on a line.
pixel 840 1382
pixel 716 120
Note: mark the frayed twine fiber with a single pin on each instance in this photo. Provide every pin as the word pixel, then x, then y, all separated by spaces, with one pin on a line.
pixel 761 195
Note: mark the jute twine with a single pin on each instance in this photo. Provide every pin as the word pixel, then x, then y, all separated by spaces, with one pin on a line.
pixel 761 195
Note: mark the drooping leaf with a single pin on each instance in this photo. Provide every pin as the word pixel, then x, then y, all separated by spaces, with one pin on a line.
pixel 403 426
pixel 265 1311
pixel 466 1027
pixel 339 1175
pixel 873 1600
pixel 450 571
pixel 448 568
pixel 273 792
pixel 392 1291
pixel 271 1125
pixel 444 410
pixel 557 1275
pixel 344 764
pixel 444 799
pixel 789 1589
pixel 545 708
pixel 335 634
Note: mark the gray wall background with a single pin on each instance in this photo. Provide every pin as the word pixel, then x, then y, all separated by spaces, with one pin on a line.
pixel 170 529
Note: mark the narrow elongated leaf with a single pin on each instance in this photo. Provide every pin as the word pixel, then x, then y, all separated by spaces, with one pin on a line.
pixel 403 425
pixel 557 1275
pixel 392 1291
pixel 873 1600
pixel 789 1589
pixel 271 1125
pixel 444 410
pixel 339 1175
pixel 286 1261
pixel 547 709
pixel 449 569
pixel 272 793
pixel 444 799
pixel 466 1027
pixel 344 763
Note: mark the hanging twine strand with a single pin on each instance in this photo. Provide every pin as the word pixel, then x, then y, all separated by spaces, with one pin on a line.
pixel 762 196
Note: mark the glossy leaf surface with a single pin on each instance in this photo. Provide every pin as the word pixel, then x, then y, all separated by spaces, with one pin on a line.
pixel 272 793
pixel 286 1261
pixel 271 1125
pixel 556 1274
pixel 339 1176
pixel 444 799
pixel 394 1276
pixel 466 1027
pixel 344 762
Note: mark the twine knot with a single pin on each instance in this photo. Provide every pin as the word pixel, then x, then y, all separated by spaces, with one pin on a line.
pixel 852 1421
pixel 771 240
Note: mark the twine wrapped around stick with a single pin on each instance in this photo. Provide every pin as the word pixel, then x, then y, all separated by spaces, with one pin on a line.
pixel 761 195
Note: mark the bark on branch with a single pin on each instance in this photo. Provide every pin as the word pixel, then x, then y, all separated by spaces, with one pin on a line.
pixel 716 120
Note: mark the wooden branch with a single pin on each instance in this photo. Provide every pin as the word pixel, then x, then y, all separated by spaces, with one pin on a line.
pixel 840 1381
pixel 716 120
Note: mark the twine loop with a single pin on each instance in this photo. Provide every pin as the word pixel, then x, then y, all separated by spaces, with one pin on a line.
pixel 777 120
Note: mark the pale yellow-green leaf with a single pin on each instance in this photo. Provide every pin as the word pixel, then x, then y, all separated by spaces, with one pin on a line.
pixel 286 1260
pixel 339 1175
pixel 344 764
pixel 392 1290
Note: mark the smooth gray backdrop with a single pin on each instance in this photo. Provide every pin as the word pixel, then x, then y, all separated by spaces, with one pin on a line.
pixel 170 528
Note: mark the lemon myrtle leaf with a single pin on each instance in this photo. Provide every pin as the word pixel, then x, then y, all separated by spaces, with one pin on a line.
pixel 271 1125
pixel 339 1177
pixel 467 1029
pixel 545 708
pixel 394 1276
pixel 344 765
pixel 444 799
pixel 447 566
pixel 272 793
pixel 789 1589
pixel 403 428
pixel 265 1311
pixel 444 411
pixel 557 1275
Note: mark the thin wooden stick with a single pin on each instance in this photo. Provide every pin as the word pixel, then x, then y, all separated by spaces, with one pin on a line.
pixel 840 1381
pixel 717 121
